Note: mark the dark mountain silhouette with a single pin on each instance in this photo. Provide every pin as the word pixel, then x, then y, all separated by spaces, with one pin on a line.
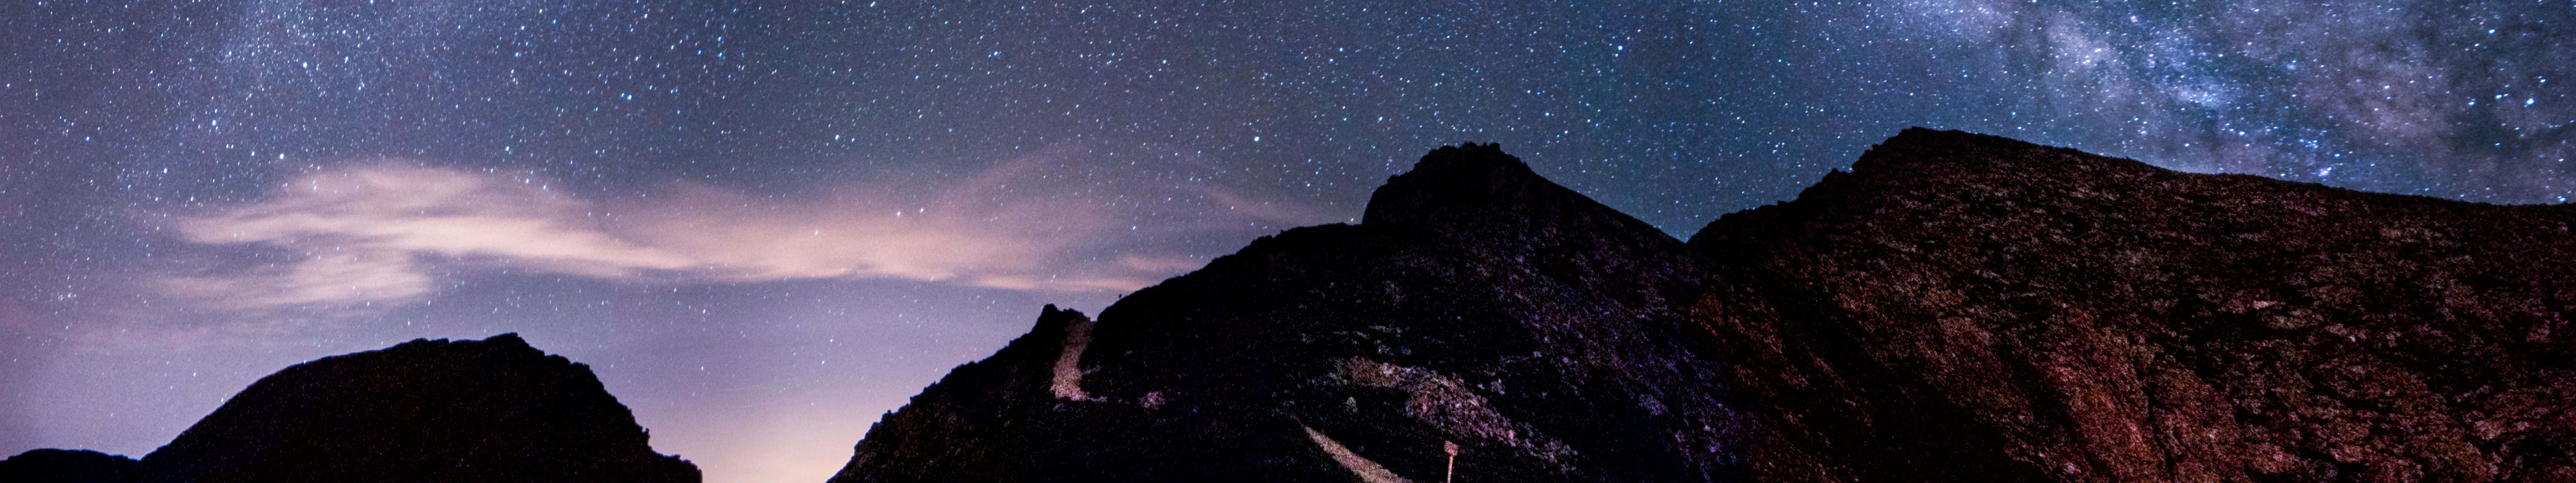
pixel 1476 304
pixel 78 466
pixel 493 410
pixel 1957 308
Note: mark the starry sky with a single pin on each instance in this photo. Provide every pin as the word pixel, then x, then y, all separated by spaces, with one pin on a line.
pixel 763 224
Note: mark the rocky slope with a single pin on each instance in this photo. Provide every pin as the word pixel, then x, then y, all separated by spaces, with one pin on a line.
pixel 1477 305
pixel 1957 308
pixel 1972 308
pixel 493 410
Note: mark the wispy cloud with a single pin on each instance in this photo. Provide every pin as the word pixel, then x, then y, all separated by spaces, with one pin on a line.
pixel 387 232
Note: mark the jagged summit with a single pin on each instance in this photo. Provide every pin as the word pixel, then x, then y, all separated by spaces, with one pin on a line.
pixel 505 341
pixel 1465 159
pixel 1493 202
pixel 1920 148
pixel 426 410
pixel 1928 158
pixel 977 416
pixel 1919 155
pixel 1468 180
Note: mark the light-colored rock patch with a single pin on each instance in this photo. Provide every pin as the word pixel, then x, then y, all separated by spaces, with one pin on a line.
pixel 1067 383
pixel 1369 471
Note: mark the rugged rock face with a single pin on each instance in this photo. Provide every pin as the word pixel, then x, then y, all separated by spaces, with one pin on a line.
pixel 1477 305
pixel 425 410
pixel 1972 308
pixel 1957 308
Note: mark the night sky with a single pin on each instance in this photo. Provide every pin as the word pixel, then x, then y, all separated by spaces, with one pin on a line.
pixel 764 224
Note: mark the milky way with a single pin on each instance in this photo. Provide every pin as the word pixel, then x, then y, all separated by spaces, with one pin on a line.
pixel 765 224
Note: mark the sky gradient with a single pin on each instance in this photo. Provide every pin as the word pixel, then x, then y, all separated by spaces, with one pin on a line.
pixel 765 224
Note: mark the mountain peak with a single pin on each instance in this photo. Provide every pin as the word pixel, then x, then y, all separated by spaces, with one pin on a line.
pixel 466 410
pixel 508 339
pixel 1453 181
pixel 1921 165
pixel 1918 155
pixel 1477 192
pixel 1469 159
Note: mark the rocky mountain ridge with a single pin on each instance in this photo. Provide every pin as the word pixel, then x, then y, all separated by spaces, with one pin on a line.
pixel 1981 308
pixel 1264 363
pixel 1957 307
